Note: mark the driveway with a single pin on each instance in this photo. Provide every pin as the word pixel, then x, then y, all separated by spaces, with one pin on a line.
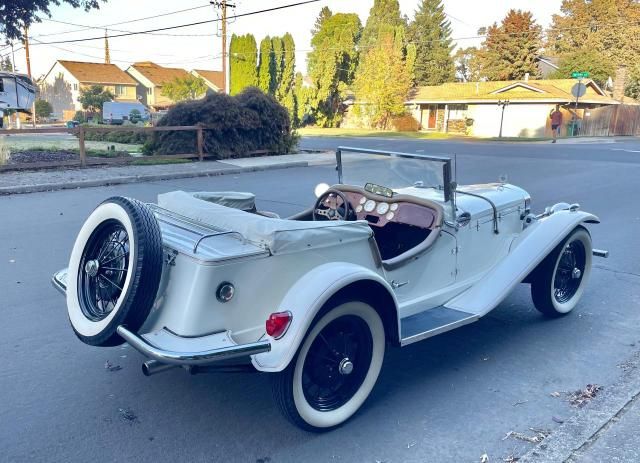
pixel 451 398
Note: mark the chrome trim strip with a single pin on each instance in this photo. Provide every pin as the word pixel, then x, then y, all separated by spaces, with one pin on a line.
pixel 191 358
pixel 439 330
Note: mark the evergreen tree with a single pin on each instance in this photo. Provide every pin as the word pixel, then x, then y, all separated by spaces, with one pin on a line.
pixel 383 13
pixel 608 27
pixel 6 64
pixel 278 63
pixel 384 78
pixel 332 64
pixel 510 49
pixel 430 31
pixel 266 68
pixel 325 13
pixel 285 92
pixel 243 60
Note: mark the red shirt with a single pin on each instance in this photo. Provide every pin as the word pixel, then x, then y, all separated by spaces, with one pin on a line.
pixel 556 118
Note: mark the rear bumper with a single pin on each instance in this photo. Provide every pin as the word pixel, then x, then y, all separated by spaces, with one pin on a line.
pixel 170 349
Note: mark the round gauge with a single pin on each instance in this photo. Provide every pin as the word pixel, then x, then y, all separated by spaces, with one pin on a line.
pixel 382 208
pixel 390 216
pixel 359 208
pixel 363 200
pixel 370 205
pixel 394 206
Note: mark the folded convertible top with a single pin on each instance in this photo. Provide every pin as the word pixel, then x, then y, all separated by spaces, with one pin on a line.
pixel 278 235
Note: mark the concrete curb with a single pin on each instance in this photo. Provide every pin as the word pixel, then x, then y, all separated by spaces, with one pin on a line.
pixel 21 189
pixel 576 435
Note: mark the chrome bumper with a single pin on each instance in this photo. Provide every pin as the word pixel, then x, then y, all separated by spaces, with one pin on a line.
pixel 171 349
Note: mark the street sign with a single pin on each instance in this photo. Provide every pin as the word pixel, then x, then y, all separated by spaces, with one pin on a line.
pixel 578 90
pixel 579 75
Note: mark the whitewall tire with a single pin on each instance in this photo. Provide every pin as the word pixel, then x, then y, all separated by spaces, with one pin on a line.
pixel 559 281
pixel 335 368
pixel 114 271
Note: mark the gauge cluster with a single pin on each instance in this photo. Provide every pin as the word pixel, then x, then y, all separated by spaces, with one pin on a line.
pixel 381 208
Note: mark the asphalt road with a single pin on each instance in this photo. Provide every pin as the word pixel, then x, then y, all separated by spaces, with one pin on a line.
pixel 450 398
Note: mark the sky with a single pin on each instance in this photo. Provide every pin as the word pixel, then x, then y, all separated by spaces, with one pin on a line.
pixel 199 47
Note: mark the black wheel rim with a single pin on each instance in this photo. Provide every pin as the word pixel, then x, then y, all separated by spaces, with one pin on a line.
pixel 569 272
pixel 337 363
pixel 103 270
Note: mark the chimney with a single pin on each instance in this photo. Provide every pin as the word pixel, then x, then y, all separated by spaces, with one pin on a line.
pixel 526 77
pixel 619 83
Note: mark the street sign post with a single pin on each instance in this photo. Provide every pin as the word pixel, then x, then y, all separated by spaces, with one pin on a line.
pixel 578 90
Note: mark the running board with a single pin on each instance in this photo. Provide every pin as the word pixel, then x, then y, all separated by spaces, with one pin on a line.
pixel 431 322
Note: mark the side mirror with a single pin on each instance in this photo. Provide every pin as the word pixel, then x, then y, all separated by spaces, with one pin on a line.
pixel 320 189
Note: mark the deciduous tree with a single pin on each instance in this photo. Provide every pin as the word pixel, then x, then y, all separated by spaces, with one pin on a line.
pixel 467 66
pixel 243 62
pixel 185 88
pixel 608 27
pixel 598 67
pixel 510 49
pixel 92 98
pixel 383 78
pixel 430 31
pixel 43 108
pixel 383 13
pixel 6 64
pixel 15 14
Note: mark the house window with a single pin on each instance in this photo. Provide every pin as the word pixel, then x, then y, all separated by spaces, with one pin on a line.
pixel 457 111
pixel 1 85
pixel 75 87
pixel 149 91
pixel 120 90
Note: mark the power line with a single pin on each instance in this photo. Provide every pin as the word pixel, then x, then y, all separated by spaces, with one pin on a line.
pixel 124 34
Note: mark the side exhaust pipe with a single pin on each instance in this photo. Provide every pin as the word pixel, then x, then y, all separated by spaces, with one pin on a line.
pixel 151 367
pixel 600 253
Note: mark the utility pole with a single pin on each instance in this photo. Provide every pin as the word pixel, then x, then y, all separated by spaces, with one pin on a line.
pixel 13 58
pixel 503 104
pixel 107 55
pixel 222 4
pixel 26 51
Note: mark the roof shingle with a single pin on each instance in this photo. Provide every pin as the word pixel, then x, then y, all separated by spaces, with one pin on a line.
pixel 159 75
pixel 97 73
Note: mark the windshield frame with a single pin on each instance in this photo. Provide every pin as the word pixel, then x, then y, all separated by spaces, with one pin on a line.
pixel 446 164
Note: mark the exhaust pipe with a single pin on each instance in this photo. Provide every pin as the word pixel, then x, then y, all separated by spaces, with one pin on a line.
pixel 151 367
pixel 600 253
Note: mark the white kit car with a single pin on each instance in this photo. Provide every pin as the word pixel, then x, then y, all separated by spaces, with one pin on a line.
pixel 398 254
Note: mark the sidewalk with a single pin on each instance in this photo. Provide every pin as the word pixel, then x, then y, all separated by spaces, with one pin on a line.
pixel 47 180
pixel 606 430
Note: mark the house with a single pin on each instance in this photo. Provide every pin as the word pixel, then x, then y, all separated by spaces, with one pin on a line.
pixel 151 78
pixel 472 107
pixel 62 84
pixel 213 79
pixel 547 65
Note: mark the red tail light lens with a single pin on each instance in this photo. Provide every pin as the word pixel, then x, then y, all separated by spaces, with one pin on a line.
pixel 277 324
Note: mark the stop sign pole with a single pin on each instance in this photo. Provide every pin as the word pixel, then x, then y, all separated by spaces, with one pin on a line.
pixel 579 76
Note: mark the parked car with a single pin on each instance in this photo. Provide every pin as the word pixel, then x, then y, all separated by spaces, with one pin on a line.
pixel 393 254
pixel 117 112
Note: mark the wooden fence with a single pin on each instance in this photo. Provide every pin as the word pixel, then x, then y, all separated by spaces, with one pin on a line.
pixel 610 121
pixel 80 131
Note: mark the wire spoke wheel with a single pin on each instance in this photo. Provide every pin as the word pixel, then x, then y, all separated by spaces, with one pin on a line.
pixel 569 272
pixel 103 270
pixel 337 363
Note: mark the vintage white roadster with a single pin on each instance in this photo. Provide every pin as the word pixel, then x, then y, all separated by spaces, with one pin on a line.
pixel 206 282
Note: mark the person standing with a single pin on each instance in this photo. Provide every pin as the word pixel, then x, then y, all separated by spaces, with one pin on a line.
pixel 556 122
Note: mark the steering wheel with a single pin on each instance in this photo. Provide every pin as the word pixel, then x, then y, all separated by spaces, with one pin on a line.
pixel 327 207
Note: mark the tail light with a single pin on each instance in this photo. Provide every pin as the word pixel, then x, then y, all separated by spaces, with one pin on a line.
pixel 277 324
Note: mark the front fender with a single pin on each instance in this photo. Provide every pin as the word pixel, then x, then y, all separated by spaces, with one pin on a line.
pixel 527 251
pixel 304 300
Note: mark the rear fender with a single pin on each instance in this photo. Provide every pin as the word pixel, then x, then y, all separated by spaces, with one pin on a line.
pixel 526 252
pixel 305 299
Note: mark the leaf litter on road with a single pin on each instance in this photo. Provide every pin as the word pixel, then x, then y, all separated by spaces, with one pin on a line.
pixel 111 367
pixel 538 435
pixel 581 397
pixel 127 415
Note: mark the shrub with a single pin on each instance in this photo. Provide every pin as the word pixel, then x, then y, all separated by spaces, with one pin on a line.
pixel 133 138
pixel 405 123
pixel 235 126
pixel 80 116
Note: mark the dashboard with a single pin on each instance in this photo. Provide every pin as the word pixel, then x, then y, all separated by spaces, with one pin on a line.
pixel 379 211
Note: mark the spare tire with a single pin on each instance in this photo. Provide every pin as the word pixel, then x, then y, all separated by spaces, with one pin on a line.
pixel 114 271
